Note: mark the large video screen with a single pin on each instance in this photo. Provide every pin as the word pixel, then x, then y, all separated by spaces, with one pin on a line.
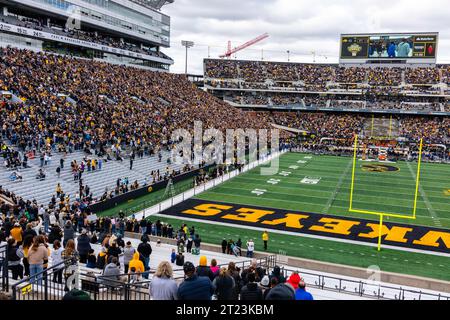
pixel 389 46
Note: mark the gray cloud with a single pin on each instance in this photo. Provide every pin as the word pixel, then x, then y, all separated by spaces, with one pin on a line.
pixel 299 26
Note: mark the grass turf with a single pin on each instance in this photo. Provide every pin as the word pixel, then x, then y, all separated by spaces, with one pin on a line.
pixel 388 260
pixel 391 192
pixel 385 191
pixel 147 201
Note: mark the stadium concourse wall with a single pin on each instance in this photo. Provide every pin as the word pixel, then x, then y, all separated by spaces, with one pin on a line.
pixel 299 107
pixel 342 270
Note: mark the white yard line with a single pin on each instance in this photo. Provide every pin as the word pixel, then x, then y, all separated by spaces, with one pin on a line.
pixel 433 213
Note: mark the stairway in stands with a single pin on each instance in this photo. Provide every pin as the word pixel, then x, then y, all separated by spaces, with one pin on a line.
pixel 30 188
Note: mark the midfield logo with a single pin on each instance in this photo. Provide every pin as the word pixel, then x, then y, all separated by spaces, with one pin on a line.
pixel 379 168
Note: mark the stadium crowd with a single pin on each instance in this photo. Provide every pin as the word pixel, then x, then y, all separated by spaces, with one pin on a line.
pixel 260 71
pixel 38 241
pixel 46 121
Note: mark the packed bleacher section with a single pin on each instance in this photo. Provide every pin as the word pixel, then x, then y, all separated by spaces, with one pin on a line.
pixel 141 107
pixel 92 116
pixel 95 37
pixel 262 83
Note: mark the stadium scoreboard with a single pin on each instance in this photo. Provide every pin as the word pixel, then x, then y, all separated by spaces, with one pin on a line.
pixel 409 47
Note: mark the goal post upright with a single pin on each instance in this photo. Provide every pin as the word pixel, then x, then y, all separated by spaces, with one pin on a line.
pixel 384 214
pixel 379 232
pixel 355 152
pixel 418 178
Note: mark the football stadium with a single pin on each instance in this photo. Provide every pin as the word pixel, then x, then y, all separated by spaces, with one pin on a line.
pixel 256 180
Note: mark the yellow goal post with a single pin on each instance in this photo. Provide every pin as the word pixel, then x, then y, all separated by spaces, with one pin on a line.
pixel 384 214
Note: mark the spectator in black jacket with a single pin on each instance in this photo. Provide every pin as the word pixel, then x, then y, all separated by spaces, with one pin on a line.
pixel 273 283
pixel 224 245
pixel 114 251
pixel 251 291
pixel 29 231
pixel 194 287
pixel 2 235
pixel 282 291
pixel 179 261
pixel 55 234
pixel 276 273
pixel 83 246
pixel 145 250
pixel 203 270
pixel 69 233
pixel 197 242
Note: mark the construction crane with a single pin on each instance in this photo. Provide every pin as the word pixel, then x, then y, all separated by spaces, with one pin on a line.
pixel 314 54
pixel 230 51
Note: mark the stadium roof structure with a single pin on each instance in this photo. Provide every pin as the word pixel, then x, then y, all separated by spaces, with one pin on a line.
pixel 153 4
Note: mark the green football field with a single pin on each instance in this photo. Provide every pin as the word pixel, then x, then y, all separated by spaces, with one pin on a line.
pixel 329 192
pixel 326 189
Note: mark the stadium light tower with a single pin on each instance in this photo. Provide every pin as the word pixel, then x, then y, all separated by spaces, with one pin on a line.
pixel 187 44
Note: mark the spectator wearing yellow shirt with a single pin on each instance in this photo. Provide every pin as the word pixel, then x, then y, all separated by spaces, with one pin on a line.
pixel 16 233
pixel 265 238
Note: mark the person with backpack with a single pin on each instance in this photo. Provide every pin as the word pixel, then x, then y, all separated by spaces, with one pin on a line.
pixel 102 259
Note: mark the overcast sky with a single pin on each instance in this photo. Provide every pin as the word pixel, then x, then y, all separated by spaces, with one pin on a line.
pixel 299 26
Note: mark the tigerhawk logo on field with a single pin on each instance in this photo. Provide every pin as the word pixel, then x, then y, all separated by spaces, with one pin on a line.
pixel 379 168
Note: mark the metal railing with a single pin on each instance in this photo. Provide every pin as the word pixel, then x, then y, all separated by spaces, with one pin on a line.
pixel 4 268
pixel 42 286
pixel 366 289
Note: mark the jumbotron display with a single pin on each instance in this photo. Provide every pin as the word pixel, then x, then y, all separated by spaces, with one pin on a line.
pixel 389 46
